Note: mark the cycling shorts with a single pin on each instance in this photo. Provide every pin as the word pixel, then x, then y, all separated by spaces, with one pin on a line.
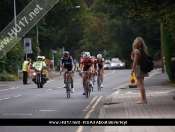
pixel 69 68
pixel 85 68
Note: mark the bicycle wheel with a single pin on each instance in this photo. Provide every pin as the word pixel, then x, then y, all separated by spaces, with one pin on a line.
pixel 68 90
pixel 87 90
pixel 93 85
pixel 99 84
pixel 86 93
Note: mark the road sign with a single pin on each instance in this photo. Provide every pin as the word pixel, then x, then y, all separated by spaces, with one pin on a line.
pixel 28 51
pixel 54 51
pixel 27 45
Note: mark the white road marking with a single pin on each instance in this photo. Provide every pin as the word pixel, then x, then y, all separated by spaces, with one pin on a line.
pixel 110 73
pixel 17 96
pixel 7 98
pixel 18 114
pixel 47 110
pixel 48 89
pixel 117 92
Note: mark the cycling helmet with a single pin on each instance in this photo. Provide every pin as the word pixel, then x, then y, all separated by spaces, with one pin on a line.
pixel 39 57
pixel 66 53
pixel 93 57
pixel 86 55
pixel 99 56
pixel 82 53
pixel 43 57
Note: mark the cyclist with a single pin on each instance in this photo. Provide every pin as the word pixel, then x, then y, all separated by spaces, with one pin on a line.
pixel 87 64
pixel 80 74
pixel 67 64
pixel 95 69
pixel 100 65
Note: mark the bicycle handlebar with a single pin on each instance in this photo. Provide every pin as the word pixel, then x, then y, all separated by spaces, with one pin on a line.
pixel 87 72
pixel 67 72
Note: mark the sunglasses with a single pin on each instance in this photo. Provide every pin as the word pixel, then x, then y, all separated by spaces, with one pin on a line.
pixel 66 56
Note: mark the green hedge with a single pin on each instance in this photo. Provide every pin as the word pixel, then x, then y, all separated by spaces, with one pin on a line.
pixel 169 52
pixel 4 76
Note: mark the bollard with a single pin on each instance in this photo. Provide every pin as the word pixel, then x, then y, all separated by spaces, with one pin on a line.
pixel 133 83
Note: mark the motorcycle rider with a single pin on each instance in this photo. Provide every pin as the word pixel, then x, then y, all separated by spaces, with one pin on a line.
pixel 39 64
pixel 45 69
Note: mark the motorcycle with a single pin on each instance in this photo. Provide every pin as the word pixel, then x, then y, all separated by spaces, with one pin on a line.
pixel 39 77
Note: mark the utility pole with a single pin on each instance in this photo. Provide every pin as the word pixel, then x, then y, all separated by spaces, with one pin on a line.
pixel 15 16
pixel 162 59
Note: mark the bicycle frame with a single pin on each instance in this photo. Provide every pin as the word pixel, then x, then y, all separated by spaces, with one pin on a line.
pixel 99 79
pixel 68 83
pixel 87 83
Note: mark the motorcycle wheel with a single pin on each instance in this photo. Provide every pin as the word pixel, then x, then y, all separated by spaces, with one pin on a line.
pixel 41 86
pixel 38 80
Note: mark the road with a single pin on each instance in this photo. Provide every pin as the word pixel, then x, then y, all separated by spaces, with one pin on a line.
pixel 28 101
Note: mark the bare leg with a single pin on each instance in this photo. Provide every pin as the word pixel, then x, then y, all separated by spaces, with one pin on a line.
pixel 142 89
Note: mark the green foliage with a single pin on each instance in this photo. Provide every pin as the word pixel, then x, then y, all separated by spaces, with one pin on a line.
pixel 172 85
pixel 2 64
pixel 168 46
pixel 95 29
pixel 4 76
pixel 14 58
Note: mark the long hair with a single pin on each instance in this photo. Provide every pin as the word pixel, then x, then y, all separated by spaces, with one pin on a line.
pixel 140 44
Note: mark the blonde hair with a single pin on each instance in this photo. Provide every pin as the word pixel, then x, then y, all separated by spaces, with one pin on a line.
pixel 140 44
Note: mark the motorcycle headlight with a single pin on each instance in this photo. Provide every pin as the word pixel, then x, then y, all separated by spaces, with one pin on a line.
pixel 38 69
pixel 34 74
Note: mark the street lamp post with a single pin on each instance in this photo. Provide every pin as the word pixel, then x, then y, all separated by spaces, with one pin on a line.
pixel 15 16
pixel 37 37
pixel 77 6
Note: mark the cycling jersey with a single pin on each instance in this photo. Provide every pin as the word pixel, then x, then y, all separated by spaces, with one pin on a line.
pixel 67 63
pixel 95 64
pixel 87 63
pixel 100 63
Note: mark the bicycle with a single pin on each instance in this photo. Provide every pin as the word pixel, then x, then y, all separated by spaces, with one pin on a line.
pixel 99 79
pixel 68 83
pixel 87 84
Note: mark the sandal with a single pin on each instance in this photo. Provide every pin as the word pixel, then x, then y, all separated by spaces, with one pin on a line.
pixel 142 102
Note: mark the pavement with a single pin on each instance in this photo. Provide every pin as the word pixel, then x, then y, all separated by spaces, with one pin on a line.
pixel 122 104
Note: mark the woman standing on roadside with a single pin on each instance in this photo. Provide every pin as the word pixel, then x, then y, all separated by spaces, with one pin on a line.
pixel 138 45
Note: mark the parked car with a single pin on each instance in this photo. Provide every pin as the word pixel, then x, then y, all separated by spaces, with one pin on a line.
pixel 116 63
pixel 107 65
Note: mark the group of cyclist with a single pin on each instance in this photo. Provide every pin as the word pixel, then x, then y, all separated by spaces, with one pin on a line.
pixel 87 63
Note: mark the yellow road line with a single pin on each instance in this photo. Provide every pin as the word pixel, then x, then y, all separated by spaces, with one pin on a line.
pixel 80 128
pixel 90 103
pixel 93 107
